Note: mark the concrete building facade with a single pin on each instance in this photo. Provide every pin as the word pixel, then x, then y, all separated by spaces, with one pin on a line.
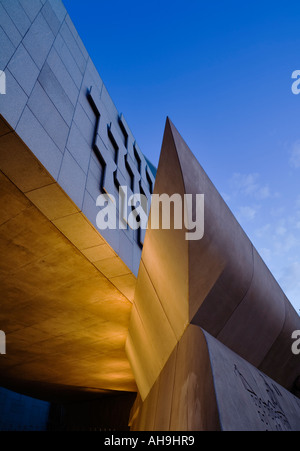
pixel 90 330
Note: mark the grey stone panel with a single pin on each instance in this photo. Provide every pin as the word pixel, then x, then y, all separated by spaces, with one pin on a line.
pixel 88 81
pixel 51 18
pixel 17 14
pixel 134 168
pixel 82 48
pixel 83 100
pixel 79 148
pixel 39 142
pixel 77 37
pixel 83 122
pixel 24 69
pixel 131 139
pixel 13 102
pixel 95 168
pixel 127 178
pixel 31 8
pixel 89 208
pixel 94 179
pixel 93 185
pixel 9 27
pixel 72 179
pixel 68 60
pixel 93 188
pixel 110 106
pixel 64 78
pixel 46 113
pixel 97 80
pixel 56 93
pixel 58 8
pixel 71 26
pixel 73 47
pixel 7 49
pixel 117 138
pixel 125 249
pixel 112 150
pixel 38 40
pixel 130 234
pixel 146 178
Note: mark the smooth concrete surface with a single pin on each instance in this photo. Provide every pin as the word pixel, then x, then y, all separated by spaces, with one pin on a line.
pixel 219 283
pixel 66 295
pixel 248 400
pixel 183 396
pixel 249 315
pixel 162 287
pixel 207 387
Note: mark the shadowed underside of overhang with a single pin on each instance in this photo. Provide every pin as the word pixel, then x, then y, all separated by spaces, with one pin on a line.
pixel 66 296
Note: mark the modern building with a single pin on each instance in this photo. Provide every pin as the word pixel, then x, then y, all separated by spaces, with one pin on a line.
pixel 119 327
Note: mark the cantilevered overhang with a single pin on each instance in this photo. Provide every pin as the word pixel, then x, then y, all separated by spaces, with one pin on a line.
pixel 66 296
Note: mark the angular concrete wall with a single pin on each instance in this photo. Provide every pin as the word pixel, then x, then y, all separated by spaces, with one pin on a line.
pixel 248 400
pixel 206 387
pixel 219 283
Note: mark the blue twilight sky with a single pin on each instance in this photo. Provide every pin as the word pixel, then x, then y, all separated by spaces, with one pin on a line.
pixel 222 72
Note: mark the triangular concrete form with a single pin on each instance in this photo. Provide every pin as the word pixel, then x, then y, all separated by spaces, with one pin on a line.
pixel 219 283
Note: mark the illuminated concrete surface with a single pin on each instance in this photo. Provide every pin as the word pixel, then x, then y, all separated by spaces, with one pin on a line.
pixel 206 387
pixel 66 295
